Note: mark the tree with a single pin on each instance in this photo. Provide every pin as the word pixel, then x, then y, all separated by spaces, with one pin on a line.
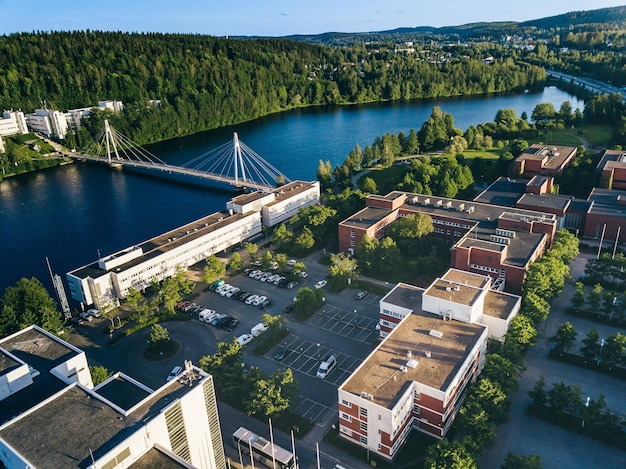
pixel 24 305
pixel 236 262
pixel 308 300
pixel 304 241
pixel 578 300
pixel 158 334
pixel 272 395
pixel 298 268
pixel 518 461
pixel 543 112
pixel 491 398
pixel 99 374
pixel 342 268
pixel 282 237
pixel 613 351
pixel 281 259
pixel 518 146
pixel 591 347
pixel 369 185
pixel 273 323
pixel 225 365
pixel 213 269
pixel 565 246
pixel 536 307
pixel 252 249
pixel 501 371
pixel 449 455
pixel 507 116
pixel 324 174
pixel 595 297
pixel 564 338
pixel 267 259
pixel 522 331
pixel 538 395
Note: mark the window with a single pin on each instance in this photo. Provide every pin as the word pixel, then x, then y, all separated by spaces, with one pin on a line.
pixel 363 412
pixel 363 439
pixel 363 426
pixel 346 403
pixel 345 430
pixel 346 417
pixel 417 396
pixel 352 243
pixel 352 234
pixel 416 410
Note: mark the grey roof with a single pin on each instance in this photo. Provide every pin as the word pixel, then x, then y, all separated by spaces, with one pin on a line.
pixel 503 191
pixel 42 353
pixel 545 202
pixel 41 436
pixel 608 202
pixel 406 296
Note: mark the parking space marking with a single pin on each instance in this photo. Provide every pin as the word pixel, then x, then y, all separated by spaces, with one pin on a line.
pixel 346 324
pixel 313 411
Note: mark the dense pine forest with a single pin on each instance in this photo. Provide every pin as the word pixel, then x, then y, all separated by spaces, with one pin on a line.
pixel 205 82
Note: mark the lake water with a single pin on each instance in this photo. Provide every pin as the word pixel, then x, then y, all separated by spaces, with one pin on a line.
pixel 70 213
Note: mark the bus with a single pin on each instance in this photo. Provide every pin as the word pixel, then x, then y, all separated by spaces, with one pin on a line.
pixel 245 440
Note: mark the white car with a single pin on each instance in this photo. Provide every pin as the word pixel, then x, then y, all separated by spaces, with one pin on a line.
pixel 321 284
pixel 291 262
pixel 258 275
pixel 265 276
pixel 93 312
pixel 303 274
pixel 272 278
pixel 86 317
pixel 232 292
pixel 253 273
pixel 259 300
pixel 225 291
pixel 177 370
pixel 278 280
pixel 221 288
pixel 244 339
pixel 251 298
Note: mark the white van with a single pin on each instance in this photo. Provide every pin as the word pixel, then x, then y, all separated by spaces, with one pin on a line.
pixel 258 329
pixel 326 367
pixel 203 314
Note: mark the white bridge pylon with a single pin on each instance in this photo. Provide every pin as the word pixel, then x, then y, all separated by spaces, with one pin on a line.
pixel 232 163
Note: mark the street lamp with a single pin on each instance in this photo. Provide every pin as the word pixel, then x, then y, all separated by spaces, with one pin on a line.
pixel 600 354
pixel 587 406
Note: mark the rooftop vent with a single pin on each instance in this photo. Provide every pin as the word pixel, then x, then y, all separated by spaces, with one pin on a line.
pixel 427 201
pixel 411 364
pixel 461 207
pixel 408 354
pixel 427 353
pixel 403 369
pixel 436 333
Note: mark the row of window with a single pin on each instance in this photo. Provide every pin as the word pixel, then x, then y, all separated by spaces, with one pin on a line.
pixel 393 314
pixel 451 223
pixel 484 268
pixel 443 231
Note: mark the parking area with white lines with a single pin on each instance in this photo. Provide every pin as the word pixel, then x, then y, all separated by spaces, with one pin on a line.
pixel 346 323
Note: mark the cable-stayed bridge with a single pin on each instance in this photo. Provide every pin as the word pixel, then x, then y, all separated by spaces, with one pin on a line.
pixel 232 163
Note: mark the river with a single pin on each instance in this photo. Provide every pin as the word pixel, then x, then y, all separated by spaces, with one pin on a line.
pixel 72 212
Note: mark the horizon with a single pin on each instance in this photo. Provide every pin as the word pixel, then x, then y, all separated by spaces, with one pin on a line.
pixel 273 18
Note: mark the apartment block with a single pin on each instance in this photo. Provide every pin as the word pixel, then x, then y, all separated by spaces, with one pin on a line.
pixel 543 160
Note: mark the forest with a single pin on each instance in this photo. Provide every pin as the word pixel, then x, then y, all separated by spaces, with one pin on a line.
pixel 205 82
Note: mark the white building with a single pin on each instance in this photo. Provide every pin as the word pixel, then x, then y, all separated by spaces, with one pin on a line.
pixel 12 123
pixel 73 116
pixel 116 106
pixel 48 122
pixel 105 281
pixel 53 417
pixel 2 149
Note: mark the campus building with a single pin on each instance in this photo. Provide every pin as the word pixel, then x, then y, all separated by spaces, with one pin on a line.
pixel 487 239
pixel 434 344
pixel 48 122
pixel 612 169
pixel 52 416
pixel 104 282
pixel 542 160
pixel 12 123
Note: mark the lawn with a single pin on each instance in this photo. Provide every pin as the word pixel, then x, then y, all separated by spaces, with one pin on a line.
pixel 387 178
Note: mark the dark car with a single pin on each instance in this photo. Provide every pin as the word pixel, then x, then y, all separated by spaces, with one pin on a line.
pixel 238 294
pixel 283 282
pixel 289 309
pixel 222 321
pixel 244 296
pixel 282 353
pixel 264 304
pixel 77 321
pixel 230 324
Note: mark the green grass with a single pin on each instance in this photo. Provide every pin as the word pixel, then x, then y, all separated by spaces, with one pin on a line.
pixel 370 287
pixel 162 350
pixel 386 179
pixel 484 154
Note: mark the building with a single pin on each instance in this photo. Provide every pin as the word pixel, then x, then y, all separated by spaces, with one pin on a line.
pixel 612 169
pixel 606 216
pixel 115 106
pixel 414 379
pixel 542 160
pixel 486 238
pixel 52 416
pixel 74 116
pixel 12 123
pixel 48 122
pixel 104 282
pixel 2 150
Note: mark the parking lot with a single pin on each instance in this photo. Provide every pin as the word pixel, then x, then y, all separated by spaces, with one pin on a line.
pixel 346 324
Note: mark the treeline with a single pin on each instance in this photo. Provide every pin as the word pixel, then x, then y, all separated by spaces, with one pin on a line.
pixel 205 82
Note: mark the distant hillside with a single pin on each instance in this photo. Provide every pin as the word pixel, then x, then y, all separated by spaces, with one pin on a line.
pixel 604 18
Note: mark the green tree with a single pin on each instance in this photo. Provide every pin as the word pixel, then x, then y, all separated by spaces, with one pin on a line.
pixel 595 297
pixel 283 237
pixel 325 174
pixel 273 323
pixel 502 372
pixel 369 185
pixel 308 300
pixel 518 461
pixel 564 338
pixel 449 455
pixel 304 241
pixel 518 146
pixel 591 346
pixel 565 246
pixel 281 259
pixel 213 270
pixel 24 304
pixel 236 262
pixel 252 249
pixel 543 112
pixel 342 268
pixel 158 334
pixel 538 395
pixel 99 374
pixel 272 395
pixel 535 307
pixel 298 268
pixel 578 300
pixel 226 366
pixel 614 347
pixel 267 259
pixel 522 331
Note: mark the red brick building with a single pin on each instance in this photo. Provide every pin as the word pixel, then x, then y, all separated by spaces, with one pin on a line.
pixel 612 169
pixel 542 160
pixel 487 239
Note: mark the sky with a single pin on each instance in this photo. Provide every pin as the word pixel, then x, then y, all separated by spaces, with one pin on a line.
pixel 270 17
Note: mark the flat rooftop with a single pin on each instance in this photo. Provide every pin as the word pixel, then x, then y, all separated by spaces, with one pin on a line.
pixel 456 292
pixel 607 202
pixel 612 159
pixel 467 278
pixel 556 155
pixel 156 459
pixel 166 242
pixel 405 295
pixel 447 354
pixel 503 191
pixel 366 217
pixel 123 393
pixel 95 426
pixel 291 190
pixel 42 353
pixel 545 202
pixel 244 199
pixel 499 305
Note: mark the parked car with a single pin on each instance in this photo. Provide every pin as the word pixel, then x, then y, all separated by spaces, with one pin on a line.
pixel 216 284
pixel 265 304
pixel 247 271
pixel 257 263
pixel 217 318
pixel 222 321
pixel 238 294
pixel 245 296
pixel 244 339
pixel 360 295
pixel 272 277
pixel 182 305
pixel 281 353
pixel 77 321
pixel 251 298
pixel 303 274
pixel 259 300
pixel 292 285
pixel 253 273
pixel 291 262
pixel 258 275
pixel 290 308
pixel 321 284
pixel 177 370
pixel 326 367
pixel 265 276
pixel 282 283
pixel 93 312
pixel 221 287
pixel 278 279
pixel 259 329
pixel 230 324
pixel 86 317
pixel 273 266
pixel 232 292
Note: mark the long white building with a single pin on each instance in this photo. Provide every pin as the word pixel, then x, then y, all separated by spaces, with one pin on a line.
pixel 12 123
pixel 104 282
pixel 48 122
pixel 51 415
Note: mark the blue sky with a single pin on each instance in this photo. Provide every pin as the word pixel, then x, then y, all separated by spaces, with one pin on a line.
pixel 270 17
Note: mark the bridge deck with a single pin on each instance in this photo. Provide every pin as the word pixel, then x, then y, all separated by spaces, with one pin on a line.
pixel 175 169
